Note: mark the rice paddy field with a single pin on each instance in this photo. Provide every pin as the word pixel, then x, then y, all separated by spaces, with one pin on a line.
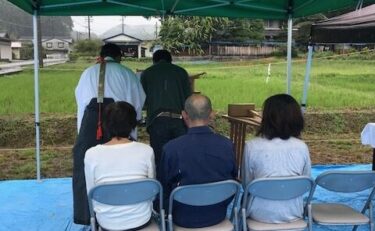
pixel 341 101
pixel 335 84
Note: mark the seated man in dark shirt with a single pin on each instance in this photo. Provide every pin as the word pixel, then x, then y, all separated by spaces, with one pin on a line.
pixel 200 156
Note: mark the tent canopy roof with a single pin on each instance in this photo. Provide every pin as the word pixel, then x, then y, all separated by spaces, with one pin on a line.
pixel 354 27
pixel 262 9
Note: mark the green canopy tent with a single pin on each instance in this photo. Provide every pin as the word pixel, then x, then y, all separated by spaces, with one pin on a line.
pixel 256 9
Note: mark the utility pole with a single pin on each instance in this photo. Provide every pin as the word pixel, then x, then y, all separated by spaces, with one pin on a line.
pixel 89 20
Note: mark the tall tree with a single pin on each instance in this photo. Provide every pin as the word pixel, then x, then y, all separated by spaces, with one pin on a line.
pixel 240 30
pixel 186 32
pixel 190 33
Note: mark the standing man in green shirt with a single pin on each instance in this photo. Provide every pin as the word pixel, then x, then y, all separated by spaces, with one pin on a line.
pixel 167 87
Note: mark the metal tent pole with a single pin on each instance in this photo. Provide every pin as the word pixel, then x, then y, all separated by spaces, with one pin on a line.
pixel 289 55
pixel 36 93
pixel 307 77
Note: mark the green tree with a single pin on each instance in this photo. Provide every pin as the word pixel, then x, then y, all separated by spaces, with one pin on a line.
pixel 240 30
pixel 186 32
pixel 87 47
pixel 191 33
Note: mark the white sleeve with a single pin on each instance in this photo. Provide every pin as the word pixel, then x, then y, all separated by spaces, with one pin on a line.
pixel 80 96
pixel 139 97
pixel 89 171
pixel 151 168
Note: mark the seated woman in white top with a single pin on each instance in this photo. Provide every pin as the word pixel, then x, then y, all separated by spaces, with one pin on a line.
pixel 120 159
pixel 277 151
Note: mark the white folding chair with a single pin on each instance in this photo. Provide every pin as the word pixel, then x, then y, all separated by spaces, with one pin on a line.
pixel 203 195
pixel 128 193
pixel 339 213
pixel 277 188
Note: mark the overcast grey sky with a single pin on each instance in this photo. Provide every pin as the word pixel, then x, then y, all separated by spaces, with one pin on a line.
pixel 100 24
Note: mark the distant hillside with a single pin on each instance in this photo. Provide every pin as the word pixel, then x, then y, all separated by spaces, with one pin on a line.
pixel 18 23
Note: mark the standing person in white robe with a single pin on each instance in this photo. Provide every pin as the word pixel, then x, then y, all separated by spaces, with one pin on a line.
pixel 120 84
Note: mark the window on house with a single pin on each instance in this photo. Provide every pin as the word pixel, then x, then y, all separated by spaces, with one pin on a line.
pixel 49 45
pixel 60 45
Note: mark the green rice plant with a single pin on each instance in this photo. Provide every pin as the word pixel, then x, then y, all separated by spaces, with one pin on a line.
pixel 334 84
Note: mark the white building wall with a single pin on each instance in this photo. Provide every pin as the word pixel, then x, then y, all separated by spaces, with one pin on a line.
pixel 5 51
pixel 55 44
pixel 147 45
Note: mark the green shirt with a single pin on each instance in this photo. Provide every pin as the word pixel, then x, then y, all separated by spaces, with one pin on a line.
pixel 166 86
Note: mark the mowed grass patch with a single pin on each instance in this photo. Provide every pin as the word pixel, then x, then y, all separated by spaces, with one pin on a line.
pixel 20 164
pixel 335 84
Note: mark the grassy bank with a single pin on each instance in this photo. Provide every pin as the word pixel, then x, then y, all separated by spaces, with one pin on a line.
pixel 335 84
pixel 332 138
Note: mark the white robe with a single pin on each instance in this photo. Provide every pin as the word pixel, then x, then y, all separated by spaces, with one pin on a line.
pixel 121 84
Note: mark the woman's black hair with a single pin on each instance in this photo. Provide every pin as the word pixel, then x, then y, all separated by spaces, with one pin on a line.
pixel 120 119
pixel 282 118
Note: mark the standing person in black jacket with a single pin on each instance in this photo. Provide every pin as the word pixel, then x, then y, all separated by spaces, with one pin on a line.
pixel 167 87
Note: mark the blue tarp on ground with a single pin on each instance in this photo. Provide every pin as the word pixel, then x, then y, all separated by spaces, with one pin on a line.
pixel 28 205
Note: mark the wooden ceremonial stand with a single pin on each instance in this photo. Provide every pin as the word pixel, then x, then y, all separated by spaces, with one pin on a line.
pixel 238 127
pixel 192 79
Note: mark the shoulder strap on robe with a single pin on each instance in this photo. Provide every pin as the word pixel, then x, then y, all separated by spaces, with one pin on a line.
pixel 100 99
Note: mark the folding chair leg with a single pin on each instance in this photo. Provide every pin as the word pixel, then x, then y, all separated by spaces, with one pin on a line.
pixel 370 216
pixel 236 219
pixel 244 225
pixel 309 216
pixel 170 223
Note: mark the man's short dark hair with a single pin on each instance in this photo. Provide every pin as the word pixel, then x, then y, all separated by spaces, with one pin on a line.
pixel 111 50
pixel 161 55
pixel 120 119
pixel 198 107
pixel 282 118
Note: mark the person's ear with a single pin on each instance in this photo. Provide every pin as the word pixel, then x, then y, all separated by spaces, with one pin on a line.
pixel 185 116
pixel 212 115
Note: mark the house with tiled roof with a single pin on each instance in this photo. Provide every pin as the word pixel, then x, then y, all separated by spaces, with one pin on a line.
pixel 54 46
pixel 134 40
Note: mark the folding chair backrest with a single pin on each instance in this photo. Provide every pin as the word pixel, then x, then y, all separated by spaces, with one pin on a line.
pixel 280 188
pixel 346 181
pixel 125 192
pixel 204 194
